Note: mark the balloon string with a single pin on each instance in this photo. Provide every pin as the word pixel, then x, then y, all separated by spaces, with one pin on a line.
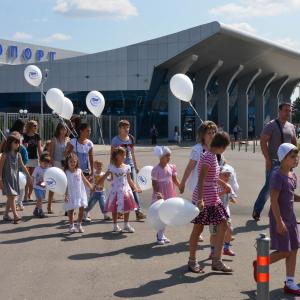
pixel 3 135
pixel 191 105
pixel 66 126
pixel 101 135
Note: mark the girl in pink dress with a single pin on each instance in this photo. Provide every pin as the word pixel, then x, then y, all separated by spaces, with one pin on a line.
pixel 120 199
pixel 164 181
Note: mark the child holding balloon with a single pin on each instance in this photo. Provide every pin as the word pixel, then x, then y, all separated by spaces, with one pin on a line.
pixel 39 185
pixel 76 196
pixel 164 182
pixel 212 210
pixel 120 199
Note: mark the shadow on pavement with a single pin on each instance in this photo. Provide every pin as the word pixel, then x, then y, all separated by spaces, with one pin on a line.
pixel 144 251
pixel 250 226
pixel 178 276
pixel 28 228
pixel 277 294
pixel 250 294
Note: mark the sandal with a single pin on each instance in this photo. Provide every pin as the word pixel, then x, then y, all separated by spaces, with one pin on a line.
pixel 193 266
pixel 17 220
pixel 50 212
pixel 218 265
pixel 7 218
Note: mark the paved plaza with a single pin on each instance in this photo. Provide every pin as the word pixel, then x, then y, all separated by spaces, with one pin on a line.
pixel 41 260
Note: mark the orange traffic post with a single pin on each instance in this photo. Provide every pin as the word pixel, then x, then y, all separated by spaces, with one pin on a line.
pixel 263 262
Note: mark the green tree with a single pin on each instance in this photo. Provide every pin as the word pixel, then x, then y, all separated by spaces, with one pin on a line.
pixel 296 111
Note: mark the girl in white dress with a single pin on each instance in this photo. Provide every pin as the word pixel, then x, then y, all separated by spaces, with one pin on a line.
pixel 76 196
pixel 120 199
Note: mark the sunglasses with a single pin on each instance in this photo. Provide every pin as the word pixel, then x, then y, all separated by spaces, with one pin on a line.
pixel 16 142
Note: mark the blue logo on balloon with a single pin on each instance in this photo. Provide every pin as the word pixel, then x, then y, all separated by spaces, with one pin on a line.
pixel 142 179
pixel 95 101
pixel 33 75
pixel 51 183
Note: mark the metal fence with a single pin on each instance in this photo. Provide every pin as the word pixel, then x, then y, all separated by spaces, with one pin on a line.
pixel 106 124
pixel 246 145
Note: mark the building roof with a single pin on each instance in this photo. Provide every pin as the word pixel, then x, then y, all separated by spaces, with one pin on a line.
pixel 132 67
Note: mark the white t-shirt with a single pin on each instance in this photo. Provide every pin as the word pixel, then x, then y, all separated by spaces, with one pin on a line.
pixel 226 198
pixel 82 151
pixel 195 155
pixel 38 178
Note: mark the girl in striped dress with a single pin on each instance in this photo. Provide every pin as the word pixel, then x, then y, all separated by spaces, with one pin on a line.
pixel 212 210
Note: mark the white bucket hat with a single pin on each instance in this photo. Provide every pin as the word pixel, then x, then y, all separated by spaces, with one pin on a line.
pixel 284 149
pixel 161 151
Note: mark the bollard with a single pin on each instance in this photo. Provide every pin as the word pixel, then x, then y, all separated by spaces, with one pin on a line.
pixel 246 145
pixel 253 146
pixel 263 262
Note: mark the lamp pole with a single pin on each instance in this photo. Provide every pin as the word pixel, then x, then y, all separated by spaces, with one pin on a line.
pixel 45 77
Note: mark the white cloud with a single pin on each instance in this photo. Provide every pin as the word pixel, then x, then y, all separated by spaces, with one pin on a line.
pixel 121 9
pixel 57 37
pixel 255 8
pixel 244 27
pixel 22 36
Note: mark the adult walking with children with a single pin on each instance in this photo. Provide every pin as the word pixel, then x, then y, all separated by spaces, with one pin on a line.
pixel 275 133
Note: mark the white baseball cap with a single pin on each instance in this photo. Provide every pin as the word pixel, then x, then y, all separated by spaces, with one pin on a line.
pixel 284 149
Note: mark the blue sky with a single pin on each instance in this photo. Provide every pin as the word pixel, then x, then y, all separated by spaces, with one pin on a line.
pixel 96 25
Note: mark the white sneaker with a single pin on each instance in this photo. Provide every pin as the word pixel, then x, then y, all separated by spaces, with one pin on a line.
pixel 80 228
pixel 117 228
pixel 166 240
pixel 72 228
pixel 87 219
pixel 160 242
pixel 128 229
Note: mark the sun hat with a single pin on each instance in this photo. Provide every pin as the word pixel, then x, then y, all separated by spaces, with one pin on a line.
pixel 284 149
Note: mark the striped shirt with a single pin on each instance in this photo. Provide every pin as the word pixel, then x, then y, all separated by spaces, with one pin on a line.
pixel 210 188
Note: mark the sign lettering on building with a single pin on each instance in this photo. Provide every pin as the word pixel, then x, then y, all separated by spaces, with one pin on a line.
pixel 14 52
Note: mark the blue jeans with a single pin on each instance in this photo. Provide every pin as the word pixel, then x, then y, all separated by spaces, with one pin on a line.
pixel 98 196
pixel 265 191
pixel 135 194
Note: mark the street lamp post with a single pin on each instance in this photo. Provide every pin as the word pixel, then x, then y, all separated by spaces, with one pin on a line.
pixel 83 114
pixel 23 113
pixel 45 77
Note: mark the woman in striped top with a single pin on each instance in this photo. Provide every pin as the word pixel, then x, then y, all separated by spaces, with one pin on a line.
pixel 206 196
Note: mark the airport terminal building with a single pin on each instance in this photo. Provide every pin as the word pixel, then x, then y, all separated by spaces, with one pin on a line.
pixel 238 78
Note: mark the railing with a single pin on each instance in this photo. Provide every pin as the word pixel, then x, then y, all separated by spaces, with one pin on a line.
pixel 109 125
pixel 245 144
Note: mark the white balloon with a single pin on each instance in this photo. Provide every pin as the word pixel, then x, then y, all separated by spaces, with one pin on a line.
pixel 95 102
pixel 144 178
pixel 22 180
pixel 153 220
pixel 67 109
pixel 55 99
pixel 56 180
pixel 177 211
pixel 182 87
pixel 33 75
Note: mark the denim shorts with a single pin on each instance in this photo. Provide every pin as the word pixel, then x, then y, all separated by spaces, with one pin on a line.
pixel 40 194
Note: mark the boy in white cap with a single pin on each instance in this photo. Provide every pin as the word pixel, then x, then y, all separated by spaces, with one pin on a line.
pixel 283 225
pixel 226 174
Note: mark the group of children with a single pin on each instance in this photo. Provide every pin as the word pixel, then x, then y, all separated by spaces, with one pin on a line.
pixel 214 188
